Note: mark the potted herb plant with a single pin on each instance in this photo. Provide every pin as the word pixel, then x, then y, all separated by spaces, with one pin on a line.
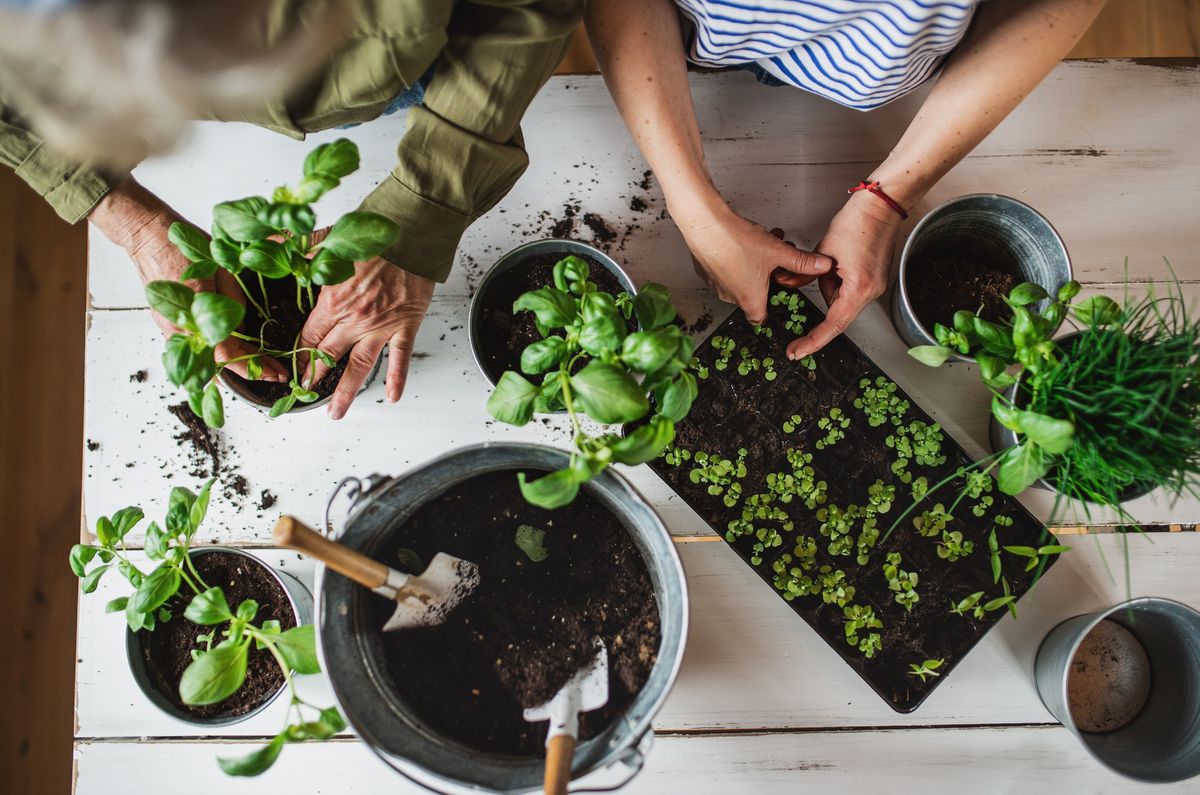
pixel 444 705
pixel 967 254
pixel 278 258
pixel 1102 415
pixel 214 635
pixel 590 364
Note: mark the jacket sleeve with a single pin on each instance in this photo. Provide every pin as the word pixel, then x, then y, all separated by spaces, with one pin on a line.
pixel 462 150
pixel 71 189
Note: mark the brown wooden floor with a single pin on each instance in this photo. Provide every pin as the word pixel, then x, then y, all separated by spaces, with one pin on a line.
pixel 42 297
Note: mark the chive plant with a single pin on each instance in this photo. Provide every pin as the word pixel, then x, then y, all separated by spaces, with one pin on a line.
pixel 254 240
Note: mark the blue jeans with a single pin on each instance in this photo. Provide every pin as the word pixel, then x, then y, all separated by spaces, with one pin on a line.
pixel 409 97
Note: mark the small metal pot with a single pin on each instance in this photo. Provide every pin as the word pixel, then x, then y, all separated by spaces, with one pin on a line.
pixel 1161 741
pixel 1003 438
pixel 1012 228
pixel 237 386
pixel 515 259
pixel 352 655
pixel 301 602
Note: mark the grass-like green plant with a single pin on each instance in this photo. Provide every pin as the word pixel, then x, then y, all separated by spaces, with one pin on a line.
pixel 590 365
pixel 219 663
pixel 925 670
pixel 271 239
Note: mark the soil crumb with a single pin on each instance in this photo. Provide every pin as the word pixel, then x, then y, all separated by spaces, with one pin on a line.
pixel 266 500
pixel 139 377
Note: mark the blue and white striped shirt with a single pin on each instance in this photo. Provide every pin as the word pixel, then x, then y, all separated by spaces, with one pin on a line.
pixel 858 53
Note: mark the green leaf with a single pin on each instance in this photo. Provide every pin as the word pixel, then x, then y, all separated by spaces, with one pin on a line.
pixel 550 491
pixel 1099 310
pixel 116 605
pixel 646 443
pixel 247 610
pixel 1025 332
pixel 214 675
pixel 1026 293
pixel 156 542
pixel 543 355
pixel 268 257
pixel 529 540
pixel 336 159
pixel 211 407
pixel 190 241
pixel 1020 466
pixel 1053 435
pixel 216 316
pixel 208 607
pixel 254 368
pixel 283 405
pixel 963 323
pixel 238 219
pixel 568 270
pixel 553 308
pixel 159 586
pixel 678 397
pixel 932 355
pixel 298 646
pixel 328 268
pixel 172 300
pixel 359 236
pixel 1005 414
pixel 226 253
pixel 81 555
pixel 199 507
pixel 1068 290
pixel 106 534
pixel 92 578
pixel 291 212
pixel 653 307
pixel 199 270
pixel 647 351
pixel 993 338
pixel 179 510
pixel 332 718
pixel 1053 549
pixel 999 602
pixel 607 393
pixel 255 762
pixel 179 360
pixel 512 400
pixel 1025 552
pixel 602 334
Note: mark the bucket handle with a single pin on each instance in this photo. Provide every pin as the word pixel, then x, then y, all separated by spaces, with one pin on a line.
pixel 633 760
pixel 355 489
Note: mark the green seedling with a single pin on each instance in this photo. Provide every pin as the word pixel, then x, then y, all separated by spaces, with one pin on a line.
pixel 835 588
pixel 880 402
pixel 590 365
pixel 792 423
pixel 902 583
pixel 952 547
pixel 834 424
pixel 933 521
pixel 975 606
pixel 724 347
pixel 926 669
pixel 1036 555
pixel 857 619
pixel 793 304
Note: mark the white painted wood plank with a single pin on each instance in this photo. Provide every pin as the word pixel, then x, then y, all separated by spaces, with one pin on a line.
pixel 751 663
pixel 1106 150
pixel 951 761
pixel 299 458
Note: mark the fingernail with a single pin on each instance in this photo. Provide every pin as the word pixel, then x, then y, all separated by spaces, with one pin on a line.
pixel 336 412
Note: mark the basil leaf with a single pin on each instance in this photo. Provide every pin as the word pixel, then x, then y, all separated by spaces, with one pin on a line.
pixel 332 718
pixel 653 306
pixel 529 540
pixel 268 257
pixel 604 333
pixel 227 254
pixel 217 316
pixel 208 607
pixel 1025 332
pixel 549 491
pixel 568 271
pixel 1005 414
pixel 646 443
pixel 239 219
pixel 543 355
pixel 199 506
pixel 359 236
pixel 179 360
pixel 106 534
pixel 328 268
pixel 172 300
pixel 678 398
pixel 1050 433
pixel 512 400
pixel 81 555
pixel 298 647
pixel 553 308
pixel 993 338
pixel 255 762
pixel 1098 310
pixel 191 242
pixel 116 605
pixel 156 542
pixel 646 351
pixel 125 520
pixel 158 586
pixel 211 407
pixel 608 394
pixel 1068 290
pixel 199 270
pixel 336 159
pixel 313 188
pixel 1026 293
pixel 597 305
pixel 963 324
pixel 214 675
pixel 283 405
pixel 254 368
pixel 247 610
pixel 92 579
pixel 1020 466
pixel 932 355
pixel 204 367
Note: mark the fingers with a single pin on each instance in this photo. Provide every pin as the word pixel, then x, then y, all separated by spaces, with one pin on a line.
pixel 800 262
pixel 272 370
pixel 362 360
pixel 842 313
pixel 317 328
pixel 399 359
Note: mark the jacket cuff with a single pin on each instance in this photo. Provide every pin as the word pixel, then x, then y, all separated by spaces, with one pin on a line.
pixel 70 188
pixel 429 232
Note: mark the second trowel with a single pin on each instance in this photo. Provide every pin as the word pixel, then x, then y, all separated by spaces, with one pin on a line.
pixel 421 600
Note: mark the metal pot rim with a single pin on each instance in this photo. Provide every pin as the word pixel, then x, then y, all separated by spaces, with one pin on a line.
pixel 244 396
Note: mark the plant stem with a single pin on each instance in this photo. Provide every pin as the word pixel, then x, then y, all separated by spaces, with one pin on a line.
pixel 195 573
pixel 262 285
pixel 299 304
pixel 261 311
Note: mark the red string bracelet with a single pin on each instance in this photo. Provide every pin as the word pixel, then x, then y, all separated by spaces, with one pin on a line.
pixel 873 187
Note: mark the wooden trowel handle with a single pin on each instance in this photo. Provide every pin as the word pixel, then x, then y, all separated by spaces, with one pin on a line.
pixel 291 533
pixel 560 751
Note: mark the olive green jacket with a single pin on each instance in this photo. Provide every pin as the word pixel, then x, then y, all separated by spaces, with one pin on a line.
pixel 462 150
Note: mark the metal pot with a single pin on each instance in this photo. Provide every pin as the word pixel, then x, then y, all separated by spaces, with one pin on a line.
pixel 302 607
pixel 1013 229
pixel 1003 438
pixel 1161 741
pixel 348 636
pixel 237 386
pixel 515 259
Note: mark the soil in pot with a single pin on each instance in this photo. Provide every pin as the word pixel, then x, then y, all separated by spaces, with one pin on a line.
pixel 768 427
pixel 529 626
pixel 946 278
pixel 504 334
pixel 167 650
pixel 281 334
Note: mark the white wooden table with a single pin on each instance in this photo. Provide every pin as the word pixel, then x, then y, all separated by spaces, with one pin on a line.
pixel 1106 150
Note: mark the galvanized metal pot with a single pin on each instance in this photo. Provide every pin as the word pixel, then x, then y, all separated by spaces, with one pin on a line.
pixel 1013 229
pixel 515 259
pixel 238 388
pixel 1162 742
pixel 352 655
pixel 1003 438
pixel 301 602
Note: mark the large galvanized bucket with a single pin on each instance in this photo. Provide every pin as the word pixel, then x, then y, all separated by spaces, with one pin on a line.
pixel 352 655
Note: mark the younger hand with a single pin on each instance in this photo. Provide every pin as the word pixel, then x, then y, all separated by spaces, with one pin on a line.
pixel 860 239
pixel 381 304
pixel 737 257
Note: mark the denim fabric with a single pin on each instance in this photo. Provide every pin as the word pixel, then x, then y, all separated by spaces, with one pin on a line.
pixel 763 76
pixel 409 97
